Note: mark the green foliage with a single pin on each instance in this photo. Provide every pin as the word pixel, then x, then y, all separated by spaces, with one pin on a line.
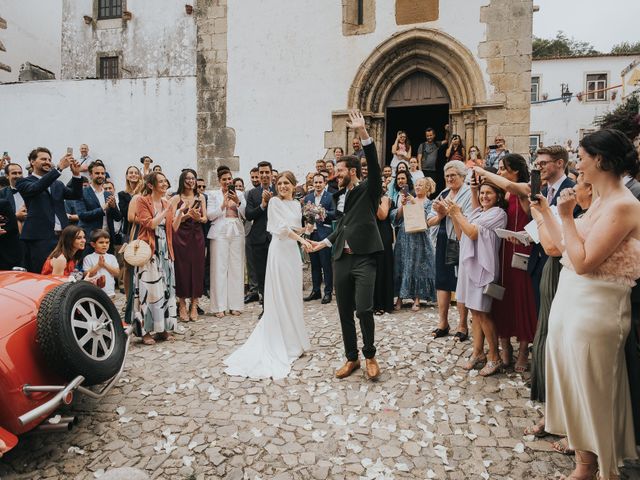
pixel 626 48
pixel 626 117
pixel 561 46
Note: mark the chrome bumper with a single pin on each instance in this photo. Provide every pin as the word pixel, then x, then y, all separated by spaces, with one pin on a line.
pixel 64 390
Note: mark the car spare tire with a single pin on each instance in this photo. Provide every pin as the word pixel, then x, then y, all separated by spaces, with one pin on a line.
pixel 80 332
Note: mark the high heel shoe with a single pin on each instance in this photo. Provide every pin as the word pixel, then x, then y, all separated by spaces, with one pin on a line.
pixel 193 312
pixel 182 311
pixel 475 362
pixel 491 367
pixel 593 475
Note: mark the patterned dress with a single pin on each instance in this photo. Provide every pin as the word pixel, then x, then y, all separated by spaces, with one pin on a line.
pixel 414 261
pixel 154 285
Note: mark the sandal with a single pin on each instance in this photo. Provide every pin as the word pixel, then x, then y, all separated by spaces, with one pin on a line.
pixel 521 367
pixel 474 362
pixel 590 476
pixel 236 313
pixel 218 314
pixel 416 307
pixel 162 336
pixel 562 446
pixel 398 306
pixel 536 430
pixel 379 312
pixel 147 339
pixel 491 367
pixel 461 336
pixel 440 332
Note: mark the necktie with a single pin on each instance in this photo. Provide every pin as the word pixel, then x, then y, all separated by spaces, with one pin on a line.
pixel 550 195
pixel 14 190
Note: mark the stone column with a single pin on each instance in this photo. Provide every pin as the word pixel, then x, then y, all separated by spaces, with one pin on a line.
pixel 216 141
pixel 481 135
pixel 469 122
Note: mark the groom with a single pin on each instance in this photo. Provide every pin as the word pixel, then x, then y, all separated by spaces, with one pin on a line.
pixel 357 239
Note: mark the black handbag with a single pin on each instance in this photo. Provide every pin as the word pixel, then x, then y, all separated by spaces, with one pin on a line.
pixel 452 252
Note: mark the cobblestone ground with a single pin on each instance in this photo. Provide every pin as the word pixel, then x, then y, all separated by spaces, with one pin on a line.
pixel 175 414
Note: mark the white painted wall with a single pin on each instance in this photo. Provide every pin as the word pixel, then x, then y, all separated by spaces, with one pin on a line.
pixel 289 68
pixel 119 120
pixel 32 35
pixel 557 122
pixel 160 40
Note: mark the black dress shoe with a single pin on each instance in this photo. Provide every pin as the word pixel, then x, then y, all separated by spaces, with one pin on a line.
pixel 312 296
pixel 251 297
pixel 200 311
pixel 326 299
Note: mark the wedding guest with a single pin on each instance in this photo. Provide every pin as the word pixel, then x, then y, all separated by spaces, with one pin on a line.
pixel 158 168
pixel 495 152
pixel 338 152
pixel 447 265
pixel 364 169
pixel 188 245
pixel 587 384
pixel 10 246
pixel 226 211
pixel 146 162
pixel 401 150
pixel 321 267
pixel 383 292
pixel 320 165
pixel 133 186
pixel 416 173
pixel 66 254
pixel 101 263
pixel 514 315
pixel 479 267
pixel 474 159
pixel 153 296
pixel 332 183
pixel 414 260
pixel 401 183
pixel 455 150
pixel 238 183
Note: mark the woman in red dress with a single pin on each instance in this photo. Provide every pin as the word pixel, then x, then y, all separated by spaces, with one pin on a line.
pixel 514 315
pixel 62 260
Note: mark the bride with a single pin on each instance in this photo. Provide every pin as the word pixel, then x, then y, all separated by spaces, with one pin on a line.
pixel 280 337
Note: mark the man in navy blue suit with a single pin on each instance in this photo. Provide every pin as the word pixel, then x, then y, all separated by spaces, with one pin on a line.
pixel 44 197
pixel 97 209
pixel 552 162
pixel 321 261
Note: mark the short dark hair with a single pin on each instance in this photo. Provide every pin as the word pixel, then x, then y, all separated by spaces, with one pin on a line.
pixel 429 129
pixel 199 179
pixel 222 167
pixel 617 153
pixel 317 174
pixel 254 169
pixel 351 161
pixel 264 163
pixel 99 233
pixel 94 164
pixel 145 156
pixel 409 180
pixel 34 153
pixel 4 182
pixel 223 171
pixel 557 152
pixel 238 179
pixel 6 167
pixel 518 164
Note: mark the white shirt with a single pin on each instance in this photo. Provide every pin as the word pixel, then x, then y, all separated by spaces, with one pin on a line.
pixel 19 201
pixel 57 226
pixel 223 226
pixel 91 261
pixel 552 190
pixel 318 198
pixel 103 201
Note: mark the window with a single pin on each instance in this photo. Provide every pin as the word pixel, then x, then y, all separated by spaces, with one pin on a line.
pixel 109 67
pixel 358 16
pixel 534 143
pixel 109 9
pixel 596 85
pixel 360 19
pixel 535 89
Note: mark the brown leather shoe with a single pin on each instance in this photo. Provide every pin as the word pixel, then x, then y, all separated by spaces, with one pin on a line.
pixel 347 369
pixel 372 368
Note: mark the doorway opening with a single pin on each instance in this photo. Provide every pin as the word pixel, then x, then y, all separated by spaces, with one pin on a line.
pixel 414 121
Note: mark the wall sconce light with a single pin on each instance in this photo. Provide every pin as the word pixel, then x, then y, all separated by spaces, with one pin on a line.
pixel 88 20
pixel 188 9
pixel 566 94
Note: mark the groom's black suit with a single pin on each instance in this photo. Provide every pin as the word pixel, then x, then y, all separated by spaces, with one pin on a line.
pixel 356 240
pixel 258 239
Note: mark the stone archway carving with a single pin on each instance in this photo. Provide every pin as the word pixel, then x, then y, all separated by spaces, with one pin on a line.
pixel 419 49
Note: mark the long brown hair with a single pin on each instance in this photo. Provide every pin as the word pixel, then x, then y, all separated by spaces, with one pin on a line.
pixel 138 187
pixel 65 244
pixel 288 174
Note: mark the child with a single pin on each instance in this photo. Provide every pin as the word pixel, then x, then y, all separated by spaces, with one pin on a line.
pixel 101 263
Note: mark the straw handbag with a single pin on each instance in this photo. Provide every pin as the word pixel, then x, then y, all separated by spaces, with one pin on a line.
pixel 137 252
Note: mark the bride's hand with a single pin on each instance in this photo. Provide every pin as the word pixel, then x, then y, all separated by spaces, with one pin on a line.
pixel 306 245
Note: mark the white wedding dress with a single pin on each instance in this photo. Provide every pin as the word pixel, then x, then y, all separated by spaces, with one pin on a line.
pixel 280 337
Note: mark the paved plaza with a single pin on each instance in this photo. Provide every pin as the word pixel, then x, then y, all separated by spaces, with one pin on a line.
pixel 175 414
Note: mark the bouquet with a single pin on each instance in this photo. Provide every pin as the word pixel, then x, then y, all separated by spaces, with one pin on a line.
pixel 312 213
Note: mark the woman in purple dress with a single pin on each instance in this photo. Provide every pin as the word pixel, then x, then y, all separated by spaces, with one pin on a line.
pixel 188 246
pixel 479 266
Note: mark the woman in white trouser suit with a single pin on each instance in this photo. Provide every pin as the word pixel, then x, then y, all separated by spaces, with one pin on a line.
pixel 226 246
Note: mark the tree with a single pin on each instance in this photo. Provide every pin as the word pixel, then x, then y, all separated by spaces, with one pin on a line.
pixel 626 117
pixel 561 46
pixel 626 48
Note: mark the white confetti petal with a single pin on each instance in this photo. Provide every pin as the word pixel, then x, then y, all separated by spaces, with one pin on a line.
pixel 187 461
pixel 402 467
pixel 125 419
pixel 172 389
pixel 77 450
pixel 98 473
pixel 192 445
pixel 519 448
pixel 318 435
pixel 256 433
pixel 498 408
pixel 152 413
pixel 55 419
pixel 441 452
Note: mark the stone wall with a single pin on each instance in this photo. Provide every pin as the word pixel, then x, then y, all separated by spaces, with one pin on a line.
pixel 216 142
pixel 507 50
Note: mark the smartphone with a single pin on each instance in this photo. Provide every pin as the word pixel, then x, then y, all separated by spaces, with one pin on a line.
pixel 231 188
pixel 493 147
pixel 405 190
pixel 196 204
pixel 535 184
pixel 5 154
pixel 69 150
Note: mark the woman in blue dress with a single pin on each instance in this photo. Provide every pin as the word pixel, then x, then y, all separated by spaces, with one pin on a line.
pixel 414 257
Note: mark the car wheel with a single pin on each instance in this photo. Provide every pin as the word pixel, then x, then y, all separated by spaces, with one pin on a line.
pixel 80 332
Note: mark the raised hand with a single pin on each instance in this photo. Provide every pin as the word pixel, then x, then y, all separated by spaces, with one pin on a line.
pixel 65 161
pixel 356 122
pixel 567 202
pixel 266 196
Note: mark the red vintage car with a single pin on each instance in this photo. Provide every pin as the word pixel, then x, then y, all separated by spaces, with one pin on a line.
pixel 56 338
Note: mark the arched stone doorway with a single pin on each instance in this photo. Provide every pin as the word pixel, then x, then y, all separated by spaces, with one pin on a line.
pixel 432 52
pixel 417 102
